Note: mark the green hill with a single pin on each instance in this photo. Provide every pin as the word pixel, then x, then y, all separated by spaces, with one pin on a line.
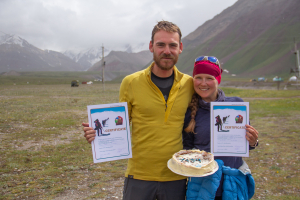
pixel 258 41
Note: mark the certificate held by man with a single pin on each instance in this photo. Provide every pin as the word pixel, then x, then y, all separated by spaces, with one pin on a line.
pixel 113 140
pixel 228 133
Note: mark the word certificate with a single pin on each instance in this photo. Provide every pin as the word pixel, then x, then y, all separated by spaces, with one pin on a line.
pixel 113 140
pixel 227 131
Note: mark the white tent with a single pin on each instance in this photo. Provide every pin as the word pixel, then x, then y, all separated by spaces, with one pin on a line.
pixel 293 79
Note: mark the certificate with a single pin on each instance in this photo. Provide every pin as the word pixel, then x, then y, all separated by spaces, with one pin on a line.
pixel 228 133
pixel 113 140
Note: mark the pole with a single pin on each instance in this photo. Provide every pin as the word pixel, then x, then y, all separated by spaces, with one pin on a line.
pixel 102 63
pixel 297 61
pixel 297 58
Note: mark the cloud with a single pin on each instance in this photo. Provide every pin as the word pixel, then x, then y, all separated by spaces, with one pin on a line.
pixel 75 24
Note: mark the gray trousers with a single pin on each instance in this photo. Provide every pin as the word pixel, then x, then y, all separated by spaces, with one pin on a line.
pixel 135 189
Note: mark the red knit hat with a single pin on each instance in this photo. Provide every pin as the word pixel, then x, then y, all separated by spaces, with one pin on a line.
pixel 207 67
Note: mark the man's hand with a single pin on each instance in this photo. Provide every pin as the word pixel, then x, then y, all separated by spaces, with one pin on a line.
pixel 89 132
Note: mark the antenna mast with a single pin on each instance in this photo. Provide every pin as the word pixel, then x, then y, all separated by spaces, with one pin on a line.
pixel 103 63
pixel 297 59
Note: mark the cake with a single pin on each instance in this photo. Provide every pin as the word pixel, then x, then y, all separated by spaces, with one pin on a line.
pixel 193 163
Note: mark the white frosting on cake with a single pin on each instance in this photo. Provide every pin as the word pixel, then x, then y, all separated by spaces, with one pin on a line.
pixel 193 162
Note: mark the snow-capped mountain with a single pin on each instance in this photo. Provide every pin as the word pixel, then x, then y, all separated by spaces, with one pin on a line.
pixel 140 47
pixel 19 55
pixel 11 39
pixel 8 39
pixel 136 48
pixel 89 57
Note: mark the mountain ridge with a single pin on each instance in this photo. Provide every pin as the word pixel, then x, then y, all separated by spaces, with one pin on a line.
pixel 19 55
pixel 256 43
pixel 250 38
pixel 118 61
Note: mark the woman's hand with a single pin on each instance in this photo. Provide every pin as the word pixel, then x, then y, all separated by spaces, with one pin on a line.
pixel 251 135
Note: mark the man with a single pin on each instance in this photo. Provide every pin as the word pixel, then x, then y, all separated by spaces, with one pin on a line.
pixel 157 99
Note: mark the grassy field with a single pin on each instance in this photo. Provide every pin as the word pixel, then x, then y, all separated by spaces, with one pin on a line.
pixel 45 156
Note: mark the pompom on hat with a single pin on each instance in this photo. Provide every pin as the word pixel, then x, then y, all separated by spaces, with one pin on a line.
pixel 208 65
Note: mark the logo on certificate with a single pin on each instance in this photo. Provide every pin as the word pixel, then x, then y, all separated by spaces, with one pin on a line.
pixel 239 119
pixel 119 120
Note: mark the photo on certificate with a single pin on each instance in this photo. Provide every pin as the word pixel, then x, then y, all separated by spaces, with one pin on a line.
pixel 228 133
pixel 111 123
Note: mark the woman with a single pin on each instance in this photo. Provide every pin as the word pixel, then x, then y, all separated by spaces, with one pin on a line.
pixel 196 134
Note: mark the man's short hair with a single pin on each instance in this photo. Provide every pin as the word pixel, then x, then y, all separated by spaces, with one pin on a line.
pixel 166 26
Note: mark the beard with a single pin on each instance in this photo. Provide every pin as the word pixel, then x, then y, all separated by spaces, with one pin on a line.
pixel 165 65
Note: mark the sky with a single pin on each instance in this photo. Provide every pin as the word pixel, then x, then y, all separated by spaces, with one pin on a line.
pixel 77 25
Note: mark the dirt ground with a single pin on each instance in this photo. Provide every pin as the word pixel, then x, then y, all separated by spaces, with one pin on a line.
pixel 114 185
pixel 115 191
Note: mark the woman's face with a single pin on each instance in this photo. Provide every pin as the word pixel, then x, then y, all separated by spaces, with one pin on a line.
pixel 206 87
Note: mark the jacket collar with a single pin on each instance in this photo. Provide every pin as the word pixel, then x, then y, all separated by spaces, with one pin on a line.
pixel 206 105
pixel 177 74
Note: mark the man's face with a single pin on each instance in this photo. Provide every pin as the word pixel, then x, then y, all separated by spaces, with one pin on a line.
pixel 166 49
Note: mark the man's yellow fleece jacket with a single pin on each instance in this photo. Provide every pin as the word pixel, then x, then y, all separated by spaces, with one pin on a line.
pixel 156 124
